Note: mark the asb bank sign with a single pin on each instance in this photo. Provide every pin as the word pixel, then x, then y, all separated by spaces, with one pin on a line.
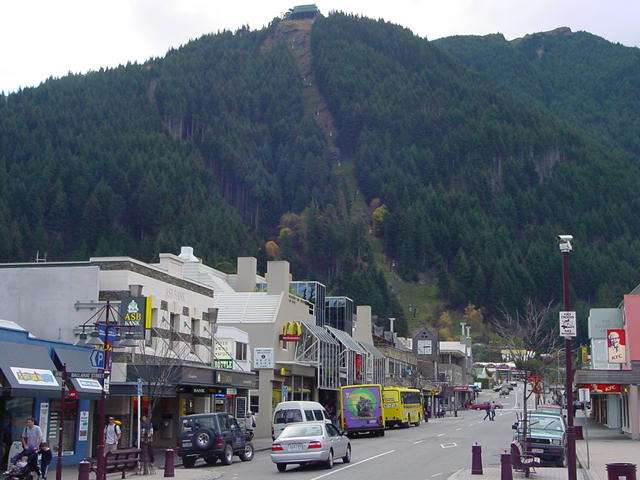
pixel 135 312
pixel 34 376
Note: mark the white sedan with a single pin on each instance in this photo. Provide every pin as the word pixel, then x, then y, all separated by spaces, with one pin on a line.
pixel 311 442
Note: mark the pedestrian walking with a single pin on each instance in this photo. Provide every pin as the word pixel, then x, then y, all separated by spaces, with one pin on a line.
pixel 31 440
pixel 146 440
pixel 45 459
pixel 493 411
pixel 112 435
pixel 487 413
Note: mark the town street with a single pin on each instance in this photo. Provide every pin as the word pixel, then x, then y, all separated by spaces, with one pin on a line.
pixel 434 450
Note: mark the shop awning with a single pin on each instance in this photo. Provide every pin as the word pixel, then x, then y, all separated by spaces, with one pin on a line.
pixel 372 350
pixel 28 370
pixel 346 340
pixel 78 363
pixel 621 377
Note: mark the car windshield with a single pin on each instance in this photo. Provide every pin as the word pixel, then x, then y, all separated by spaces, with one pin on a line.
pixel 198 422
pixel 287 416
pixel 546 423
pixel 301 431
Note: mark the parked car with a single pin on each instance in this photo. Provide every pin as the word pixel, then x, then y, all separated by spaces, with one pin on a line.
pixel 212 436
pixel 483 405
pixel 547 438
pixel 311 442
pixel 296 412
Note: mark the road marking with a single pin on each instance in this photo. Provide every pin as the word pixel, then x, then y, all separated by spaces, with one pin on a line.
pixel 436 475
pixel 352 465
pixel 449 445
pixel 419 441
pixel 441 434
pixel 458 429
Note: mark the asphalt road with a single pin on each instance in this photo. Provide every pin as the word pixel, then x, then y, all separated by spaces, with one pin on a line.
pixel 433 450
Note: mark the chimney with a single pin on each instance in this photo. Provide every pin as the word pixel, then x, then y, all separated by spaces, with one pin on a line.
pixel 362 332
pixel 172 264
pixel 246 279
pixel 391 322
pixel 187 256
pixel 462 325
pixel 278 277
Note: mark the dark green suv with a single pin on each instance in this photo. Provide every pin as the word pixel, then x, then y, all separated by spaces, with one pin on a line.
pixel 212 436
pixel 547 438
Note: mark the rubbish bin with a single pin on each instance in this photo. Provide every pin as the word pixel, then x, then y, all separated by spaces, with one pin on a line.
pixel 618 471
pixel 578 430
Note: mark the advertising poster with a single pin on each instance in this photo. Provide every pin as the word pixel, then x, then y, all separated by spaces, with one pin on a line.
pixel 83 433
pixel 362 406
pixel 616 344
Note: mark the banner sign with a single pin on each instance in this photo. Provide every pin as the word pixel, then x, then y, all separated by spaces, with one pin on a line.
pixel 89 383
pixel 135 312
pixel 34 376
pixel 604 387
pixel 263 358
pixel 616 345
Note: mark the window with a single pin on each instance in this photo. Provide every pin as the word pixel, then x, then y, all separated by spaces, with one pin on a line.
pixel 241 351
pixel 185 311
pixel 410 398
pixel 195 333
pixel 331 430
pixel 287 416
pixel 164 305
pixel 318 414
pixel 302 431
pixel 174 321
pixel 254 401
pixel 309 415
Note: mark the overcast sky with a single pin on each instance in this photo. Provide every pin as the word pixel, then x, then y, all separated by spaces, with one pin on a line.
pixel 39 39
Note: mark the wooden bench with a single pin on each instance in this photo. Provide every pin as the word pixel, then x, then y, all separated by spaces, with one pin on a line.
pixel 523 462
pixel 125 460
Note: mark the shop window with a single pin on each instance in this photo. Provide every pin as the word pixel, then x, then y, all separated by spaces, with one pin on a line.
pixel 241 351
pixel 69 436
pixel 255 403
pixel 13 418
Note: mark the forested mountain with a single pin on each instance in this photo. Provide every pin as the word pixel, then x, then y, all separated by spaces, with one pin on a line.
pixel 584 79
pixel 304 141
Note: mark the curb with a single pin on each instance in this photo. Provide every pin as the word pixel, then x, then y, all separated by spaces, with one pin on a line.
pixel 456 475
pixel 586 473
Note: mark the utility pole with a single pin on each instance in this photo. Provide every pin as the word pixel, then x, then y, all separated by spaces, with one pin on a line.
pixel 101 474
pixel 565 249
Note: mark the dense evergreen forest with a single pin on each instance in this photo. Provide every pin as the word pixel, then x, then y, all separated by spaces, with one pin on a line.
pixel 471 153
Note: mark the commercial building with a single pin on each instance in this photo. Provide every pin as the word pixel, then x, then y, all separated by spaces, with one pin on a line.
pixel 339 312
pixel 30 386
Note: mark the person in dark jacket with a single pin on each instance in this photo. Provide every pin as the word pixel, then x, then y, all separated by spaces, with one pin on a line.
pixel 45 459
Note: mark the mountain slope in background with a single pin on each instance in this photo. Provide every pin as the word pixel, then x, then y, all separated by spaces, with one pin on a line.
pixel 338 144
pixel 584 79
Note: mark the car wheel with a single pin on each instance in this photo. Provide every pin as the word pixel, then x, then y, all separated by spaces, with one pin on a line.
pixel 247 454
pixel 347 457
pixel 202 440
pixel 329 463
pixel 382 433
pixel 211 460
pixel 227 455
pixel 189 462
pixel 282 467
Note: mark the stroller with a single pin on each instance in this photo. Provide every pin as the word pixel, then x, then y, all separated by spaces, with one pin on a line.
pixel 23 469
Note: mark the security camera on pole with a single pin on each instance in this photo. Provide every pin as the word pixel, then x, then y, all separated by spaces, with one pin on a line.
pixel 568 330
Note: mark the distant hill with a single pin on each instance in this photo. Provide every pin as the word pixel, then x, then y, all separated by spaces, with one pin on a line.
pixel 341 143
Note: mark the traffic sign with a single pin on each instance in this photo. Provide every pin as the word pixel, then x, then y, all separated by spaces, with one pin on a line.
pixel 139 387
pixel 97 358
pixel 584 395
pixel 568 324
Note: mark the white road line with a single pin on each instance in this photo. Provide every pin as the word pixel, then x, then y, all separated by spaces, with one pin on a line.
pixel 436 475
pixel 448 445
pixel 352 465
pixel 441 434
pixel 419 441
pixel 458 429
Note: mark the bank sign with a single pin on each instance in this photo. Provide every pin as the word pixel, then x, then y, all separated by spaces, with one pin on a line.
pixel 135 312
pixel 35 377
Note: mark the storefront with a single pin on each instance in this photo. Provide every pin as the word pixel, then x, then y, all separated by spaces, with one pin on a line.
pixel 30 383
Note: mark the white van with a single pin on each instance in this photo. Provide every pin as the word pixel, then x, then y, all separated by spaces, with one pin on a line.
pixel 296 412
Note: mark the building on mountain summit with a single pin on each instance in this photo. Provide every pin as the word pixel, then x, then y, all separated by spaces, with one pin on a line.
pixel 303 11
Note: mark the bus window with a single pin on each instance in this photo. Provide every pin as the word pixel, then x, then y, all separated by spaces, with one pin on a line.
pixel 411 398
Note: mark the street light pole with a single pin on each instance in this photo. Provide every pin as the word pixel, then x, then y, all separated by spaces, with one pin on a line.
pixel 103 395
pixel 565 249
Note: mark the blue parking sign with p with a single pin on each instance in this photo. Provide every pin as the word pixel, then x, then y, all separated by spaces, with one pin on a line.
pixel 97 358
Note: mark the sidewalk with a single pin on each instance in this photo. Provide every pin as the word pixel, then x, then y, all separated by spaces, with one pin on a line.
pixel 71 473
pixel 493 473
pixel 605 446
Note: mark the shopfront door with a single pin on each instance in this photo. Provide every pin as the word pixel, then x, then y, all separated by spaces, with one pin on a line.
pixel 13 418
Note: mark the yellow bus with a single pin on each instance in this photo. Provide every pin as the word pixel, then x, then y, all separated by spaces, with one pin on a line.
pixel 402 406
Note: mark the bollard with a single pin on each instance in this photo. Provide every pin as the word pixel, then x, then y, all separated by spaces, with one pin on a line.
pixel 505 467
pixel 84 468
pixel 578 431
pixel 617 471
pixel 476 459
pixel 169 465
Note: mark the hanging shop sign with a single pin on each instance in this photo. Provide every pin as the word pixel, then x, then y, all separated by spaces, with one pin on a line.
pixel 222 353
pixel 604 387
pixel 616 345
pixel 135 312
pixel 291 332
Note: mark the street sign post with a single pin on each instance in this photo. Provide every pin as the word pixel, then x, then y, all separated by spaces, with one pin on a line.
pixel 568 324
pixel 97 359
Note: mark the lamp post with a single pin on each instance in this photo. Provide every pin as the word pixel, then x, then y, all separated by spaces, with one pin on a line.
pixel 565 250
